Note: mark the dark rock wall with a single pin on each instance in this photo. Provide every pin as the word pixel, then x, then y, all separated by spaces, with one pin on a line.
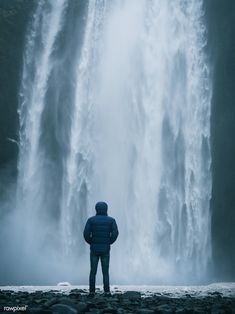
pixel 14 15
pixel 221 35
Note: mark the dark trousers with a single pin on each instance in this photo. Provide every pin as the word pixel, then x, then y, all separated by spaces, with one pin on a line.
pixel 94 259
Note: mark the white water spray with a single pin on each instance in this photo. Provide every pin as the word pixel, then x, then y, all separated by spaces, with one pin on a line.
pixel 135 133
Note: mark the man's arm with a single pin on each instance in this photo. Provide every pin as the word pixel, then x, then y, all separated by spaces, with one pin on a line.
pixel 114 232
pixel 87 232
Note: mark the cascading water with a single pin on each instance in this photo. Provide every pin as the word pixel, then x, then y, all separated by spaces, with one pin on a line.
pixel 117 108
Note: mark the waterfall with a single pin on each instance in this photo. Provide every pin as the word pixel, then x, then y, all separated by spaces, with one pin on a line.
pixel 115 106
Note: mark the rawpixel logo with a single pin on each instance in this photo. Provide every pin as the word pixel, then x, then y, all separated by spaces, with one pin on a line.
pixel 15 308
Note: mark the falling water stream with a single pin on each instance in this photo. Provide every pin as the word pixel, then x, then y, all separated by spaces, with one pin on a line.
pixel 115 106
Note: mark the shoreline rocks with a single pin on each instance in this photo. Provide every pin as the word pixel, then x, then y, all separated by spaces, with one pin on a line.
pixel 78 301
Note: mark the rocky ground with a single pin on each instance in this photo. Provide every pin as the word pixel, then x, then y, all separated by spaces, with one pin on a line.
pixel 78 301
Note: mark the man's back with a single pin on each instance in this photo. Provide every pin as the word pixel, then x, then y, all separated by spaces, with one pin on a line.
pixel 100 232
pixel 102 227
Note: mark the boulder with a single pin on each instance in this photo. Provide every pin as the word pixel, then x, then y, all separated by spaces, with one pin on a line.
pixel 132 295
pixel 63 309
pixel 145 311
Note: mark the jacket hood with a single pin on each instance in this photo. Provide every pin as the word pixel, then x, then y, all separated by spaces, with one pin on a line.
pixel 101 208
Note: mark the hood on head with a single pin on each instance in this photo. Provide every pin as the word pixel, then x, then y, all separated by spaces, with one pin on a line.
pixel 101 208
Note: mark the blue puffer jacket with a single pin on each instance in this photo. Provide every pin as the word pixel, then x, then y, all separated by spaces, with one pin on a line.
pixel 100 230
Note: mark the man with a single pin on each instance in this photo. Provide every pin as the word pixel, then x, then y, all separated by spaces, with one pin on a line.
pixel 100 232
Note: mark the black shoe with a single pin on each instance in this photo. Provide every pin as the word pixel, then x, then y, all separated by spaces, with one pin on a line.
pixel 91 295
pixel 107 294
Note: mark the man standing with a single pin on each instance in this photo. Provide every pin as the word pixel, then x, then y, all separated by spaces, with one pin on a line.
pixel 100 232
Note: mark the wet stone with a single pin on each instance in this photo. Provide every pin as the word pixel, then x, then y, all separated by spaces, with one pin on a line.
pixel 109 310
pixel 161 309
pixel 63 309
pixel 50 302
pixel 145 311
pixel 132 295
pixel 81 307
pixel 77 291
pixel 38 310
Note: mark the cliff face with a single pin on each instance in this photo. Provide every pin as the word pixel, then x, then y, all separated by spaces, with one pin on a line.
pixel 14 16
pixel 221 35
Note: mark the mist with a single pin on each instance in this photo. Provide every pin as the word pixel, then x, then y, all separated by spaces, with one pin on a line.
pixel 114 103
